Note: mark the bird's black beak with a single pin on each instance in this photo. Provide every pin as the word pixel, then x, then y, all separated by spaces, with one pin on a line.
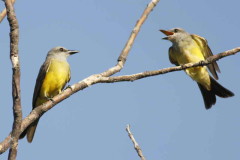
pixel 167 33
pixel 71 52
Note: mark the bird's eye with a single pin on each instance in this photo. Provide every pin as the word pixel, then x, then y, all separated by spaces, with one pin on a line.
pixel 176 30
pixel 61 49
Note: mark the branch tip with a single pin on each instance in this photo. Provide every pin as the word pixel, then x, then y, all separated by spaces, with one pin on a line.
pixel 136 145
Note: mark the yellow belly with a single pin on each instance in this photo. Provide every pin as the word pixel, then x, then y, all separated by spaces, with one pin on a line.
pixel 193 54
pixel 58 74
pixel 200 75
pixel 190 54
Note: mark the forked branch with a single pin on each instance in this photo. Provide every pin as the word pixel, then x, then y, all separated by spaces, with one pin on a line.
pixel 5 144
pixel 4 12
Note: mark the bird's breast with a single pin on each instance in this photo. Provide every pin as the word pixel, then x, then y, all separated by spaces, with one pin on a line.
pixel 190 53
pixel 57 76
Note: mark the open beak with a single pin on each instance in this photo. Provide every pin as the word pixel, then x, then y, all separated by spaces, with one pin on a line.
pixel 71 52
pixel 167 33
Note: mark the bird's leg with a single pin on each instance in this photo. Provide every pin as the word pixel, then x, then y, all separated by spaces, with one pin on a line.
pixel 50 98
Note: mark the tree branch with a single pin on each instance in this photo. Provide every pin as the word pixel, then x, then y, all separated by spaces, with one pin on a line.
pixel 136 145
pixel 145 74
pixel 104 76
pixel 4 12
pixel 17 110
pixel 123 56
pixel 40 110
pixel 97 78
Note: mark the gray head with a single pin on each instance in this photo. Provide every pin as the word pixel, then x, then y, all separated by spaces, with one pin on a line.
pixel 61 52
pixel 176 34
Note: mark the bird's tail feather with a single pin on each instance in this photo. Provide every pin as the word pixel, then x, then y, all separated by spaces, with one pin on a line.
pixel 209 96
pixel 23 134
pixel 219 90
pixel 30 131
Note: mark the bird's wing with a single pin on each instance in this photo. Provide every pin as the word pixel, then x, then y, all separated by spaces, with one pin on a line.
pixel 203 44
pixel 171 57
pixel 39 81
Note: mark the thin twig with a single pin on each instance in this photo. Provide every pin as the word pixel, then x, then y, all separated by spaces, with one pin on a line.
pixel 17 110
pixel 136 145
pixel 124 54
pixel 4 12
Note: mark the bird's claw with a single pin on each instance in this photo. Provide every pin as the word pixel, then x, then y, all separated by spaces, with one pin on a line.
pixel 69 86
pixel 50 99
pixel 183 66
pixel 201 63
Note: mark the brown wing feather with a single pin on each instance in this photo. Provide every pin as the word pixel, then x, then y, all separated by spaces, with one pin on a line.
pixel 171 57
pixel 39 81
pixel 202 42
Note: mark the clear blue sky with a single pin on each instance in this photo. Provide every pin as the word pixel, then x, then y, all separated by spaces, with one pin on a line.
pixel 166 112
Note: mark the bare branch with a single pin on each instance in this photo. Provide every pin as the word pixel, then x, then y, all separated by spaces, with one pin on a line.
pixel 136 145
pixel 97 78
pixel 145 74
pixel 17 110
pixel 40 110
pixel 123 56
pixel 4 12
pixel 5 144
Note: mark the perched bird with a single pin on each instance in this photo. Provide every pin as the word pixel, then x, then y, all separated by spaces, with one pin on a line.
pixel 54 74
pixel 191 48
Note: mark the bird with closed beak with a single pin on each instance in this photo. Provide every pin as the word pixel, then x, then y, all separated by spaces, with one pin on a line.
pixel 54 74
pixel 191 48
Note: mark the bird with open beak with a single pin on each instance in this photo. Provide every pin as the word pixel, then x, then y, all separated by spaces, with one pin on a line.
pixel 191 48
